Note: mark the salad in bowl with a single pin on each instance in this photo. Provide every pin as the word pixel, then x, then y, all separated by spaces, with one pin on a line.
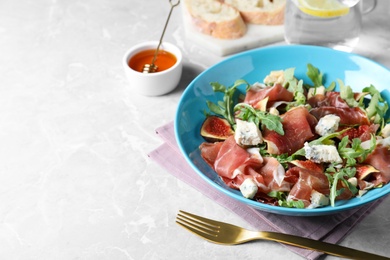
pixel 286 143
pixel 293 130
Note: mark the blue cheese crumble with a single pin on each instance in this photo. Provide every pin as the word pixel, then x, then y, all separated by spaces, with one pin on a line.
pixel 247 133
pixel 322 153
pixel 249 188
pixel 327 125
pixel 318 199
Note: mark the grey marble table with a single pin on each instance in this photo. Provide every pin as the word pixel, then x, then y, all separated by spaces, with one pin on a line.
pixel 75 179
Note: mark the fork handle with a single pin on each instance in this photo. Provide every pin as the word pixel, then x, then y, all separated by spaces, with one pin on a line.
pixel 325 247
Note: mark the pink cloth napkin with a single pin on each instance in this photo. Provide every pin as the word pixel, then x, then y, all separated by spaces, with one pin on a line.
pixel 331 228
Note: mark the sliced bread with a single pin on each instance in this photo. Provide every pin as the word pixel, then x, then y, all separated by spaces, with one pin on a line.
pixel 215 18
pixel 264 12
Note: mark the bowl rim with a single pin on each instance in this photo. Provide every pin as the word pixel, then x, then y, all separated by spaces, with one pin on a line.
pixel 258 205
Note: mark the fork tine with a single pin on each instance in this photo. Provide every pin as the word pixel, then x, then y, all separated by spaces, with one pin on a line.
pixel 196 231
pixel 196 225
pixel 199 219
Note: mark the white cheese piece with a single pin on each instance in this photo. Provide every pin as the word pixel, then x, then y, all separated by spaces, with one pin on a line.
pixel 248 188
pixel 316 91
pixel 384 142
pixel 353 181
pixel 386 131
pixel 274 111
pixel 247 133
pixel 327 125
pixel 318 199
pixel 276 76
pixel 279 173
pixel 255 153
pixel 322 153
pixel 236 172
pixel 368 187
pixel 361 193
pixel 258 86
pixel 379 141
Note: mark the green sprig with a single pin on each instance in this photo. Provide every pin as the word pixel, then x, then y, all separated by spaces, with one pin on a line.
pixel 224 108
pixel 342 175
pixel 283 202
pixel 355 151
pixel 247 113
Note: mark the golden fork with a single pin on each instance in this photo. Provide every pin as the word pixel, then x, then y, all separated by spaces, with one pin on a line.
pixel 228 234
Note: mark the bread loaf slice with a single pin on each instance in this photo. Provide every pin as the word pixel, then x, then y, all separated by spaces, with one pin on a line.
pixel 215 18
pixel 264 12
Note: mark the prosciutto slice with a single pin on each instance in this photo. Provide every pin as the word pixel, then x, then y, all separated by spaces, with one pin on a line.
pixel 306 176
pixel 380 160
pixel 331 99
pixel 232 159
pixel 298 127
pixel 273 176
pixel 348 116
pixel 275 93
pixel 268 177
pixel 234 164
pixel 209 152
pixel 229 159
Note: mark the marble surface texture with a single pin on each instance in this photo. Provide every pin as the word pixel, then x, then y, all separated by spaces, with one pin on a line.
pixel 75 179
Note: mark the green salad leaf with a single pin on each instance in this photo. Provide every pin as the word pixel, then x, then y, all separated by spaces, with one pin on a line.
pixel 294 86
pixel 247 113
pixel 289 79
pixel 347 94
pixel 317 78
pixel 283 202
pixel 355 151
pixel 335 175
pixel 224 108
pixel 377 108
pixel 314 75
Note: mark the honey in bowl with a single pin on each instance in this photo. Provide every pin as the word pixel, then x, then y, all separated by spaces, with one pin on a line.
pixel 164 60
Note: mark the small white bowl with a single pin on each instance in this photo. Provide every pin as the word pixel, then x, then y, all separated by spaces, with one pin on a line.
pixel 157 83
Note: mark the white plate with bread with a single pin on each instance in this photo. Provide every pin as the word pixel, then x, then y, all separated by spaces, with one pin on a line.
pixel 225 27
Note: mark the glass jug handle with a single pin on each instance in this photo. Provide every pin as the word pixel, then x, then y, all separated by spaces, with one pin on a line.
pixel 370 8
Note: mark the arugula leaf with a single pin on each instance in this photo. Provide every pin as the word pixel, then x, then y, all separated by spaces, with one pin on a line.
pixel 331 86
pixel 373 106
pixel 247 113
pixel 355 151
pixel 373 91
pixel 299 96
pixel 347 94
pixel 216 109
pixel 295 87
pixel 283 202
pixel 342 175
pixel 377 107
pixel 317 78
pixel 289 79
pixel 225 108
pixel 315 75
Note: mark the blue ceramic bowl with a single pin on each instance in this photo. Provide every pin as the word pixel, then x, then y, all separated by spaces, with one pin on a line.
pixel 356 71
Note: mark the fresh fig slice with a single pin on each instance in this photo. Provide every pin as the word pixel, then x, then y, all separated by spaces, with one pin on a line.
pixel 364 171
pixel 216 129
